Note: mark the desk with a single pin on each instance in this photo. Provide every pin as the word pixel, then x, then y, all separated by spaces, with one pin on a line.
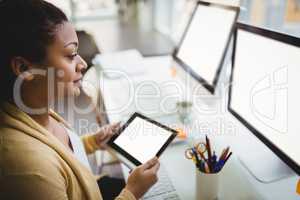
pixel 236 182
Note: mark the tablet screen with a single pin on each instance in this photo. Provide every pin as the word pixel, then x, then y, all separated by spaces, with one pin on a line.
pixel 143 139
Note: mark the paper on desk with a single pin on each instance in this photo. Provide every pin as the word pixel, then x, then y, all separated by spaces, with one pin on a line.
pixel 130 62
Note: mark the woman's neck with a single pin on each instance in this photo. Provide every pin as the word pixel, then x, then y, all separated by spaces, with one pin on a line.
pixel 38 105
pixel 42 119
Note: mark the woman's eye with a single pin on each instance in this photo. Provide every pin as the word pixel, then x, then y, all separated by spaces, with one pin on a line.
pixel 73 56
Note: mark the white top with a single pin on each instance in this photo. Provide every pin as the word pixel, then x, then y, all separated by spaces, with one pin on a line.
pixel 78 148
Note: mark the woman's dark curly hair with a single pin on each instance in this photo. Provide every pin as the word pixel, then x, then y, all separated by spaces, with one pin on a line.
pixel 28 27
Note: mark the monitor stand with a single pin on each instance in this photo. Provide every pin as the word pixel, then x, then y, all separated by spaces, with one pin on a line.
pixel 262 163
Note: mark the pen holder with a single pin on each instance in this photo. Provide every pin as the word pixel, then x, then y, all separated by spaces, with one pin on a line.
pixel 207 185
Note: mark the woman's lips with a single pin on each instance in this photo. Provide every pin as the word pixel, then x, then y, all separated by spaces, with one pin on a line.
pixel 78 82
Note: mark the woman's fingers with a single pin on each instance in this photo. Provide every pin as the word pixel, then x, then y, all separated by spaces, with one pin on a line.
pixel 116 127
pixel 155 168
pixel 149 164
pixel 102 136
pixel 113 129
pixel 106 133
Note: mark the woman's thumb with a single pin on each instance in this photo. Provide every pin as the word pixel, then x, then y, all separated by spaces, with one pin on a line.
pixel 149 164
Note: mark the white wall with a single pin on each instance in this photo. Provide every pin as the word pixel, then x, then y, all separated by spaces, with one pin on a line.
pixel 171 16
pixel 65 5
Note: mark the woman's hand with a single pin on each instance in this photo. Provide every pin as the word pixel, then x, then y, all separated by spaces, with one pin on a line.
pixel 143 178
pixel 105 133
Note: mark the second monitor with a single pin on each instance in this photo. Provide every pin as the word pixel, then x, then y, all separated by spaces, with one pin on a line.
pixel 202 49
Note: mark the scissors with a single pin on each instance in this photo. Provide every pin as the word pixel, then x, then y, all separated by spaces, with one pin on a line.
pixel 199 148
pixel 191 154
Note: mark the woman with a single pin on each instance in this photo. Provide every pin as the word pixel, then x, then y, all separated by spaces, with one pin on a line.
pixel 38 151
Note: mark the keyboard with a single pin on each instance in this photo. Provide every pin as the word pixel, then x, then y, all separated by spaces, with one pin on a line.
pixel 163 189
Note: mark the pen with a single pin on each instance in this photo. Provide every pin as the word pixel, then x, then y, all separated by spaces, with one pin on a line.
pixel 214 160
pixel 222 162
pixel 214 157
pixel 219 166
pixel 202 166
pixel 227 158
pixel 196 156
pixel 208 152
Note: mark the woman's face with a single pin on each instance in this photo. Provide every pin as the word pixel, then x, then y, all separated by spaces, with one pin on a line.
pixel 62 56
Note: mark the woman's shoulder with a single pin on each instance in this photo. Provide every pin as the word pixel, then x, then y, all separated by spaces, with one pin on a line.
pixel 21 153
pixel 30 168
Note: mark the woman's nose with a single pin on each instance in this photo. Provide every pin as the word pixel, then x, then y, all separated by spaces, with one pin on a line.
pixel 82 65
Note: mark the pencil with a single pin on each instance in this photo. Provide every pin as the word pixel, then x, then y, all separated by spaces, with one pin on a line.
pixel 206 167
pixel 227 158
pixel 223 156
pixel 208 152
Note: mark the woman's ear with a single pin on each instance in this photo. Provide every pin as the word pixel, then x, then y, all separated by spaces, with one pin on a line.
pixel 21 67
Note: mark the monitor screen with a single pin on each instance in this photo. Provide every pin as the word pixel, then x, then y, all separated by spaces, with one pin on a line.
pixel 202 49
pixel 265 92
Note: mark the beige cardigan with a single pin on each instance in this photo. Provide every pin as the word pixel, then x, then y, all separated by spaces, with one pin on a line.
pixel 35 165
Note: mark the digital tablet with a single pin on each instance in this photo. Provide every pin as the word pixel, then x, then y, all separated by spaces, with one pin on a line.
pixel 141 139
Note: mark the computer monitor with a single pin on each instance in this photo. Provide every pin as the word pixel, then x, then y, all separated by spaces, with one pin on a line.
pixel 265 91
pixel 202 49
